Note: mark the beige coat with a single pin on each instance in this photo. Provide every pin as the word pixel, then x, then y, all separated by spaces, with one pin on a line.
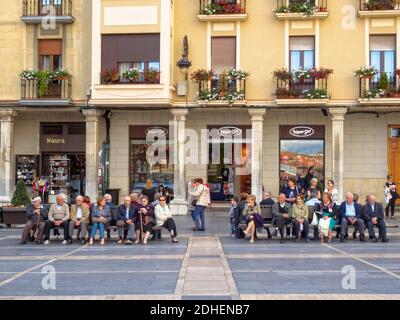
pixel 202 194
pixel 59 214
pixel 85 212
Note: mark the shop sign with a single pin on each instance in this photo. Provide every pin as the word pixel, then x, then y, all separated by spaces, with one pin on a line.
pixel 229 131
pixel 50 140
pixel 302 132
pixel 156 131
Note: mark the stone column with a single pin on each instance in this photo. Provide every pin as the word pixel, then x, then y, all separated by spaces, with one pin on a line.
pixel 337 115
pixel 179 204
pixel 92 151
pixel 7 118
pixel 257 126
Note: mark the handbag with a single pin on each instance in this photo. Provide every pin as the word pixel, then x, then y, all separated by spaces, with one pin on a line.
pixel 194 203
pixel 314 221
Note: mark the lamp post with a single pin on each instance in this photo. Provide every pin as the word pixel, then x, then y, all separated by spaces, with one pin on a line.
pixel 184 64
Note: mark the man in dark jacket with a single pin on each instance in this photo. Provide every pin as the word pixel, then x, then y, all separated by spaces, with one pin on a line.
pixel 374 216
pixel 36 215
pixel 126 214
pixel 282 211
pixel 351 213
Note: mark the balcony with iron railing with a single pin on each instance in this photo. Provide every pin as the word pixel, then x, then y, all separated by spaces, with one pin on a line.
pixel 379 8
pixel 302 87
pixel 42 88
pixel 34 11
pixel 227 88
pixel 222 10
pixel 380 88
pixel 301 9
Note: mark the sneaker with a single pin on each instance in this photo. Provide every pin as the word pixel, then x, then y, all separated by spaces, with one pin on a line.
pixel 251 241
pixel 22 242
pixel 46 242
pixel 102 242
pixel 65 242
pixel 128 243
pixel 91 242
pixel 120 241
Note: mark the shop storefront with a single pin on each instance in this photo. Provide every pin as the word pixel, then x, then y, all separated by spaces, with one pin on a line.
pixel 150 160
pixel 62 159
pixel 228 169
pixel 302 152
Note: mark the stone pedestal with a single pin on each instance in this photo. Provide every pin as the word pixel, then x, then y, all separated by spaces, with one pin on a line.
pixel 179 204
pixel 7 118
pixel 257 125
pixel 92 151
pixel 337 115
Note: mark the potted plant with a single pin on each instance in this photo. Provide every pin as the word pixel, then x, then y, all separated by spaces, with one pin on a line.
pixel 321 73
pixel 15 213
pixel 282 93
pixel 152 76
pixel 236 74
pixel 109 75
pixel 383 82
pixel 61 74
pixel 131 74
pixel 379 5
pixel 366 72
pixel 282 75
pixel 202 75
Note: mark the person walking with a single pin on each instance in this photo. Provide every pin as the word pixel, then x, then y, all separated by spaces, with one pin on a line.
pixel 202 196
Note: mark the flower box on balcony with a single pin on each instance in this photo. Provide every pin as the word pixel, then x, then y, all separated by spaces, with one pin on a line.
pixel 301 9
pixel 222 10
pixel 34 11
pixel 379 8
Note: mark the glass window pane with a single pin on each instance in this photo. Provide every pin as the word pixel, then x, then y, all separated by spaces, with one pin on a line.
pixel 376 60
pixel 294 60
pixel 389 60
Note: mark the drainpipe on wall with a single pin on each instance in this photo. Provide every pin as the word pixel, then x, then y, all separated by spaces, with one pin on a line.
pixel 106 153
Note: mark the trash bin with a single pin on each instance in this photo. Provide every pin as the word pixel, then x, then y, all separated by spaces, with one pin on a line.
pixel 115 195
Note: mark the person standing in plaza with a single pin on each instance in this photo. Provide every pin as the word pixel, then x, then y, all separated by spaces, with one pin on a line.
pixel 58 217
pixel 149 191
pixel 291 191
pixel 79 219
pixel 233 215
pixel 100 218
pixel 391 196
pixel 330 188
pixel 202 195
pixel 300 219
pixel 313 193
pixel 36 215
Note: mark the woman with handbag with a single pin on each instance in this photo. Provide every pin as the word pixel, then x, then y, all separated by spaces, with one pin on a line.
pixel 328 213
pixel 144 220
pixel 100 218
pixel 254 220
pixel 202 196
pixel 391 196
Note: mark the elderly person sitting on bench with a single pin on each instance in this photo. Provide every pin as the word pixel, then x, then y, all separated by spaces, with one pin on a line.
pixel 36 215
pixel 300 219
pixel 282 212
pixel 126 214
pixel 58 217
pixel 252 212
pixel 351 213
pixel 164 218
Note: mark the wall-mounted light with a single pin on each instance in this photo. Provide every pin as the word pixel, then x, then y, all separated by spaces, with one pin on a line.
pixel 184 64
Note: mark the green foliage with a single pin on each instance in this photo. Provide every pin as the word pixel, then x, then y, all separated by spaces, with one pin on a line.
pixel 20 197
pixel 383 83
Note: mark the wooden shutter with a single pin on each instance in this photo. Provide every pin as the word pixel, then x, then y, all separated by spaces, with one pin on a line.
pixel 50 47
pixel 223 53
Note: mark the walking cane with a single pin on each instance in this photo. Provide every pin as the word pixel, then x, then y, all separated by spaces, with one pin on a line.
pixel 141 227
pixel 37 228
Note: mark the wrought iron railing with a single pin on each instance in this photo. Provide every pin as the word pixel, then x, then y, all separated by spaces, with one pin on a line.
pixel 211 7
pixel 301 6
pixel 373 5
pixel 381 85
pixel 308 88
pixel 47 7
pixel 221 87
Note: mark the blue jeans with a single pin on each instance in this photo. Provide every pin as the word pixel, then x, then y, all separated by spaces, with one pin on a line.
pixel 99 226
pixel 199 215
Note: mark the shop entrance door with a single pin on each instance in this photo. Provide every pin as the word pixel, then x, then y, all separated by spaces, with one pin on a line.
pixel 394 155
pixel 229 175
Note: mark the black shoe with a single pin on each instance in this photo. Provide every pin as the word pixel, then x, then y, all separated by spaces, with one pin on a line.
pixel 346 236
pixel 375 239
pixel 342 238
pixel 275 233
pixel 362 237
pixel 22 243
pixel 355 235
pixel 385 240
pixel 70 241
pixel 83 241
pixel 39 242
pixel 201 229
pixel 282 241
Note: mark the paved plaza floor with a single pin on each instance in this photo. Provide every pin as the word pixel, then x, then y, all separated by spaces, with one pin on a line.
pixel 209 265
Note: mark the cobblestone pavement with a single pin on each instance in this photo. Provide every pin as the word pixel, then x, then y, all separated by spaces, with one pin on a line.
pixel 210 265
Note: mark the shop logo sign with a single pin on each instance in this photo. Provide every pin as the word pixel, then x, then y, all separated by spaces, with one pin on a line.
pixel 155 131
pixel 55 140
pixel 229 132
pixel 302 132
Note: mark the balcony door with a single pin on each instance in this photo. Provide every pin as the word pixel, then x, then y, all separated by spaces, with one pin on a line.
pixel 383 56
pixel 302 56
pixel 50 59
pixel 223 57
